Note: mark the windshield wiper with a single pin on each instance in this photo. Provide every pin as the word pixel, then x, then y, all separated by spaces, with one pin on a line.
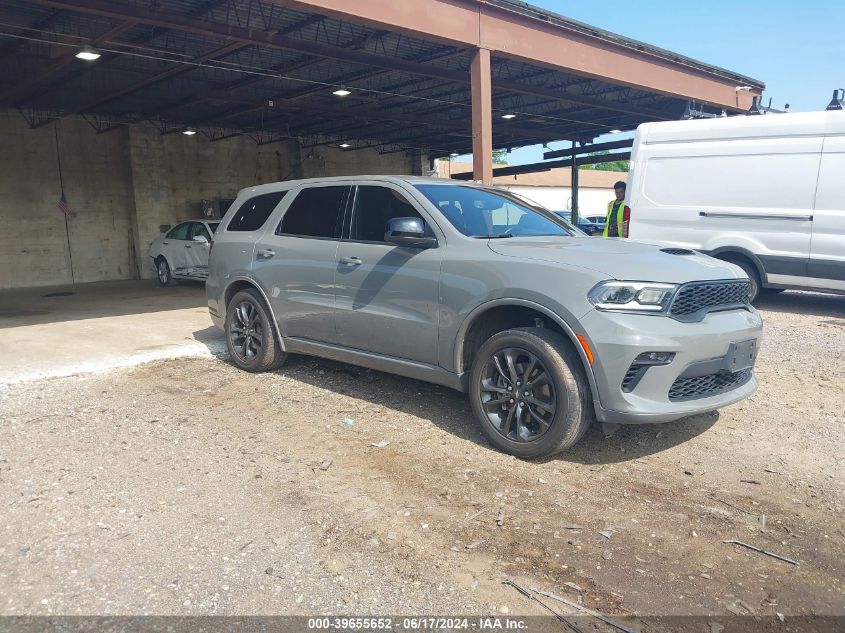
pixel 495 237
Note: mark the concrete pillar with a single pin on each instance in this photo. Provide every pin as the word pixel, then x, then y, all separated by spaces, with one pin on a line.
pixel 482 117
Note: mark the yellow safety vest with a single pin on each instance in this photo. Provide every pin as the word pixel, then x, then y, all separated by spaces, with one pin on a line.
pixel 620 217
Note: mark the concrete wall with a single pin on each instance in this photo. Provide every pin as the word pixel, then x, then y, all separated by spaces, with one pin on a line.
pixel 123 184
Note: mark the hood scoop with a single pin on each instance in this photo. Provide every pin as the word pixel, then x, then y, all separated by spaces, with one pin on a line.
pixel 677 251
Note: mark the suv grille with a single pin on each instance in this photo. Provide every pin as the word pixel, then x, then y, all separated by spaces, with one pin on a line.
pixel 706 386
pixel 709 296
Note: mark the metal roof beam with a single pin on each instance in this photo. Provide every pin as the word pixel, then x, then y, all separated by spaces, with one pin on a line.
pixel 23 91
pixel 232 32
pixel 537 167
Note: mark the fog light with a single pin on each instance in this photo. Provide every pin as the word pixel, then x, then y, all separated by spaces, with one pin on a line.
pixel 654 358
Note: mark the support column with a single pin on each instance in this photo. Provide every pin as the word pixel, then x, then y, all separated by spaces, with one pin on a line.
pixel 482 117
pixel 575 174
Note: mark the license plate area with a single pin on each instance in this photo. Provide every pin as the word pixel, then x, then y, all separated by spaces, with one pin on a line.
pixel 741 355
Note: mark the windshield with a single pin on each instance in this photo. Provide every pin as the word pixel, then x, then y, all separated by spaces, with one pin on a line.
pixel 491 213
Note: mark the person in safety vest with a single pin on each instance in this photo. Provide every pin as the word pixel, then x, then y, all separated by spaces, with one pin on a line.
pixel 618 214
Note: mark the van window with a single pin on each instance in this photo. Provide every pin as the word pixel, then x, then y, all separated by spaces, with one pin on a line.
pixel 254 212
pixel 316 212
pixel 772 181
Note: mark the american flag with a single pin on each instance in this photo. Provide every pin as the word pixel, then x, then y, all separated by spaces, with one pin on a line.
pixel 63 206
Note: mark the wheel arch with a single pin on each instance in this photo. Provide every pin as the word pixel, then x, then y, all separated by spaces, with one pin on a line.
pixel 472 324
pixel 244 283
pixel 725 252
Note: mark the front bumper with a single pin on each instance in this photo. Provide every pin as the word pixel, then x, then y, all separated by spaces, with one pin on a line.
pixel 618 338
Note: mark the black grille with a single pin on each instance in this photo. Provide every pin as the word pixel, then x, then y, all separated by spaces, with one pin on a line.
pixel 709 296
pixel 705 386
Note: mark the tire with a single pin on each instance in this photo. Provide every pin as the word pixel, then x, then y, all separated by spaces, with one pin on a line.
pixel 752 273
pixel 525 428
pixel 163 273
pixel 251 334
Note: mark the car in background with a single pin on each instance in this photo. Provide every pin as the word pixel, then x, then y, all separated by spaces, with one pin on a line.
pixel 586 224
pixel 182 252
pixel 472 287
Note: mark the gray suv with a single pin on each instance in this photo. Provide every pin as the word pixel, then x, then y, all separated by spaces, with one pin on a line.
pixel 477 289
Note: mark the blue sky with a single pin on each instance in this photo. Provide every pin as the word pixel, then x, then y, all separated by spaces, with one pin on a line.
pixel 796 48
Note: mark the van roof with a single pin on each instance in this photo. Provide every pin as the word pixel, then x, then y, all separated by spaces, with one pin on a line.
pixel 736 127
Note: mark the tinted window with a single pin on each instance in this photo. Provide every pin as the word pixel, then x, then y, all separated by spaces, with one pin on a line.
pixel 199 229
pixel 180 232
pixel 374 206
pixel 316 212
pixel 482 212
pixel 214 226
pixel 254 212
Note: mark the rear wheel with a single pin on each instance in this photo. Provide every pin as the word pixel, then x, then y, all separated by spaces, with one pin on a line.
pixel 529 392
pixel 250 334
pixel 752 273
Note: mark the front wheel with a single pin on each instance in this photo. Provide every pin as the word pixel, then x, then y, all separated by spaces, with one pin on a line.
pixel 250 335
pixel 529 392
pixel 163 273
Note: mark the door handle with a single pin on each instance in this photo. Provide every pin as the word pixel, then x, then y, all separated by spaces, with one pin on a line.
pixel 166 243
pixel 351 261
pixel 187 246
pixel 266 253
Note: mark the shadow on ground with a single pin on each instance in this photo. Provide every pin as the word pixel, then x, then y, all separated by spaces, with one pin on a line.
pixel 57 304
pixel 450 410
pixel 809 303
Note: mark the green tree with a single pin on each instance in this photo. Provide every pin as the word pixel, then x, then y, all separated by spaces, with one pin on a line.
pixel 500 156
pixel 614 165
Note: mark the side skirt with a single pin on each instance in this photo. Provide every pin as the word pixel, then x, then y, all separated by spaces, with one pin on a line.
pixel 379 362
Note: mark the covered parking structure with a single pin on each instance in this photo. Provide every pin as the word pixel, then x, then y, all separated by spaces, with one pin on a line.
pixel 277 89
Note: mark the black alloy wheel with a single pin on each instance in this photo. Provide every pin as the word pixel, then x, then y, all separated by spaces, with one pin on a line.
pixel 250 334
pixel 518 395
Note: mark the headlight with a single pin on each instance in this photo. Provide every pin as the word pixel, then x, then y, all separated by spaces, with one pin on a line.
pixel 633 296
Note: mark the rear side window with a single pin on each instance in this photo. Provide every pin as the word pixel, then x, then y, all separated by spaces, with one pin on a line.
pixel 316 212
pixel 180 232
pixel 254 212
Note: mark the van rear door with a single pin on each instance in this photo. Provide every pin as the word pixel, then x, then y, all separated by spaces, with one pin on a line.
pixel 827 253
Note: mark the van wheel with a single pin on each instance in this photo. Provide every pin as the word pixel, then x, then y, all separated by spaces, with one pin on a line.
pixel 251 335
pixel 750 270
pixel 529 392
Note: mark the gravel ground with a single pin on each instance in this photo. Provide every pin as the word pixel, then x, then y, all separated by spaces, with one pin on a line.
pixel 189 487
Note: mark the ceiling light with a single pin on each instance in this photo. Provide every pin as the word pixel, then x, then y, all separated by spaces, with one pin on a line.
pixel 508 116
pixel 615 131
pixel 342 92
pixel 454 154
pixel 189 131
pixel 344 145
pixel 88 53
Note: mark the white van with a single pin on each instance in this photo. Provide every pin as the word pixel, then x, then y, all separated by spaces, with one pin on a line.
pixel 764 192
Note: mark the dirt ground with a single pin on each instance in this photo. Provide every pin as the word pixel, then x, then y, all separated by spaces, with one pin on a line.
pixel 189 487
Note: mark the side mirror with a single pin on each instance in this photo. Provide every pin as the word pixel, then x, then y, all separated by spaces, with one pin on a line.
pixel 409 232
pixel 202 239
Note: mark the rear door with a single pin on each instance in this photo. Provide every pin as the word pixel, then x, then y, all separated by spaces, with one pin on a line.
pixel 827 253
pixel 387 295
pixel 196 251
pixel 294 261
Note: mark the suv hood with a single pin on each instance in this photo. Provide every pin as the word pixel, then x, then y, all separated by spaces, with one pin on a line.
pixel 618 259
